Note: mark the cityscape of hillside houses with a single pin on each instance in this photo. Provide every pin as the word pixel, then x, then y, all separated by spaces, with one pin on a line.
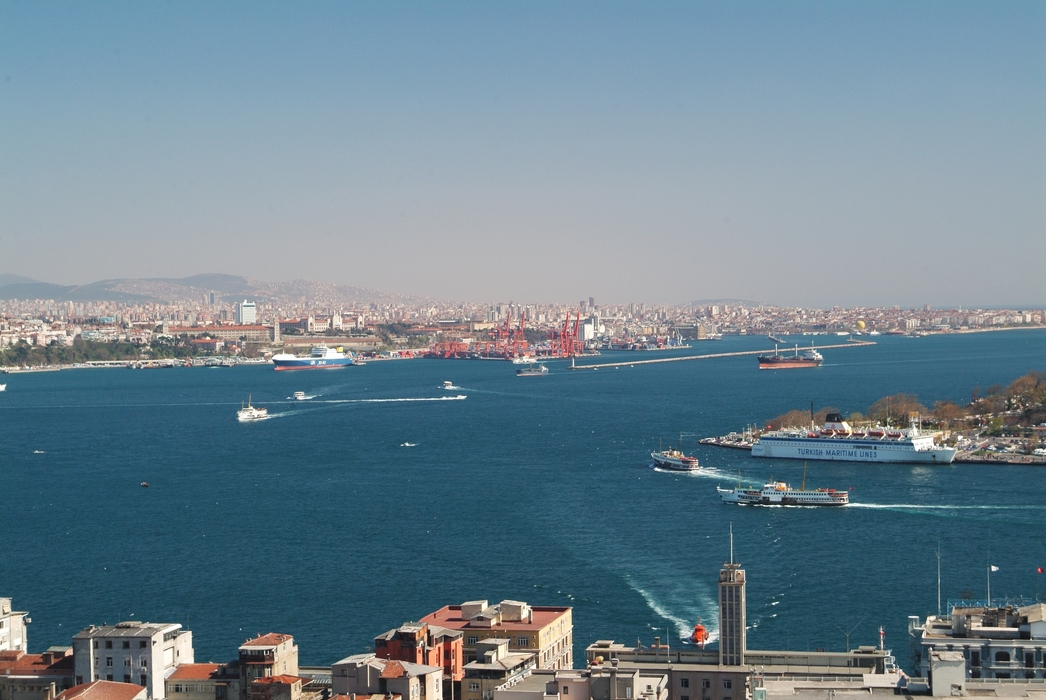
pixel 387 324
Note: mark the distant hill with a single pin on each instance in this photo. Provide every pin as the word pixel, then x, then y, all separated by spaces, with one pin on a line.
pixel 195 288
pixel 8 278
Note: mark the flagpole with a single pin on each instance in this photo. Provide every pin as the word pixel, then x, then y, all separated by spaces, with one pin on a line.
pixel 989 574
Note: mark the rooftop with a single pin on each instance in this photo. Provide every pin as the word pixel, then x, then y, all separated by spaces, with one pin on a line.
pixel 541 616
pixel 102 690
pixel 127 629
pixel 271 639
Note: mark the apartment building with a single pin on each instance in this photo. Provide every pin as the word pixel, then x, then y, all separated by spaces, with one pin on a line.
pixel 545 631
pixel 141 653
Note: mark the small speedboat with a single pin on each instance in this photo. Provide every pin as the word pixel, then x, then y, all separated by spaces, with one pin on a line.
pixel 299 396
pixel 145 484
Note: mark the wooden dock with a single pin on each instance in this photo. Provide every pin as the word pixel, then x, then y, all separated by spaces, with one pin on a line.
pixel 632 363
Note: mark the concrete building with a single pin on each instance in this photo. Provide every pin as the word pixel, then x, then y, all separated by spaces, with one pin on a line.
pixel 12 628
pixel 366 674
pixel 35 676
pixel 1001 642
pixel 495 666
pixel 732 613
pixel 142 653
pixel 204 682
pixel 546 631
pixel 267 655
pixel 104 690
pixel 246 313
pixel 281 687
pixel 605 682
pixel 422 643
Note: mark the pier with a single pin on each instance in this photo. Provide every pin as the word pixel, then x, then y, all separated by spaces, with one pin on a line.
pixel 630 363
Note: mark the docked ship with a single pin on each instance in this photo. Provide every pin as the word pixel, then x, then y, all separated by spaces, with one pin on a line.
pixel 251 413
pixel 809 358
pixel 837 441
pixel 778 493
pixel 321 357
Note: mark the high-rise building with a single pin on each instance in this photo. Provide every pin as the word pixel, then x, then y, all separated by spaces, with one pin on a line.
pixel 732 612
pixel 246 313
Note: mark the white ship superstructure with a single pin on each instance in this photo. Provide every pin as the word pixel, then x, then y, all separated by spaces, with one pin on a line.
pixel 837 441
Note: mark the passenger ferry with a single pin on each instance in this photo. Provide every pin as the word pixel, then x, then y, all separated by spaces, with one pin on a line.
pixel 778 493
pixel 675 460
pixel 251 413
pixel 837 441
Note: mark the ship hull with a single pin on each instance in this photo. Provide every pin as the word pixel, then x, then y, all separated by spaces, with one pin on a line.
pixel 844 450
pixel 310 363
pixel 787 363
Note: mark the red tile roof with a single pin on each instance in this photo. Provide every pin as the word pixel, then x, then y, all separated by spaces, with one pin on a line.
pixel 18 663
pixel 267 640
pixel 103 690
pixel 194 672
pixel 393 669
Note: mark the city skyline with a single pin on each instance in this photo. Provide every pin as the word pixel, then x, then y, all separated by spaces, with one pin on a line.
pixel 802 155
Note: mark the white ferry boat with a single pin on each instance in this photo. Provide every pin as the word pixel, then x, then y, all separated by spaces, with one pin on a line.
pixel 837 441
pixel 675 459
pixel 778 493
pixel 251 413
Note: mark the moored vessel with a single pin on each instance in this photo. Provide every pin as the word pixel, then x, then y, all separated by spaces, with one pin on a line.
pixel 809 358
pixel 251 413
pixel 321 357
pixel 837 441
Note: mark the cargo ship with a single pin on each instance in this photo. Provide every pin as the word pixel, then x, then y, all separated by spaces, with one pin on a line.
pixel 809 358
pixel 837 441
pixel 321 357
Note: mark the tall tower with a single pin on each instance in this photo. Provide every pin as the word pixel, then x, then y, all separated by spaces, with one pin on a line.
pixel 732 616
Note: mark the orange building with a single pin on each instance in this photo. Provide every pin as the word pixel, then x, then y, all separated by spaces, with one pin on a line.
pixel 425 644
pixel 544 630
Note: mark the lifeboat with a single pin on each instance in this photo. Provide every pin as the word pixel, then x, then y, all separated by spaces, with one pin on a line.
pixel 812 435
pixel 858 434
pixel 827 432
pixel 893 434
pixel 700 635
pixel 876 433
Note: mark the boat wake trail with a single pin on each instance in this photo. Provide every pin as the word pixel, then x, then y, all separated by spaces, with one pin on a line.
pixel 918 506
pixel 683 626
pixel 459 397
pixel 707 473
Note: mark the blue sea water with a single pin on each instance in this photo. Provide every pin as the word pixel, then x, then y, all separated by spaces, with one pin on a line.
pixel 384 498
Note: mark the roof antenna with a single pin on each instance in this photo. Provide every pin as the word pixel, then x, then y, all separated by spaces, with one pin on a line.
pixel 731 543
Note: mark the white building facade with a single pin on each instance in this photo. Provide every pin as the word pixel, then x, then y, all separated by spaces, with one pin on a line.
pixel 143 653
pixel 12 628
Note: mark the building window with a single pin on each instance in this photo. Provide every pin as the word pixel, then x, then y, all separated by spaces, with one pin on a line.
pixel 143 680
pixel 523 641
pixel 142 644
pixel 727 683
pixel 975 658
pixel 96 644
pixel 126 644
pixel 1029 659
pixel 127 678
pixel 127 662
pixel 79 680
pixel 684 682
pixel 108 644
pixel 471 640
pixel 144 662
pixel 473 686
pixel 1002 656
pixel 684 697
pixel 109 661
pixel 108 676
pixel 705 683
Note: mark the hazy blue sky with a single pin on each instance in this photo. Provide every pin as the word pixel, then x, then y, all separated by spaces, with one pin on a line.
pixel 793 152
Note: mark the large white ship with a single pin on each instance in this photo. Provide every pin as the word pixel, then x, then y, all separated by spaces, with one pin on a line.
pixel 837 441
